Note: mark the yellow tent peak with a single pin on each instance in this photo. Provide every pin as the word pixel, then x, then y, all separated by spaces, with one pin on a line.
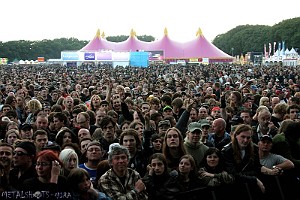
pixel 132 33
pixel 166 31
pixel 199 32
pixel 103 35
pixel 98 34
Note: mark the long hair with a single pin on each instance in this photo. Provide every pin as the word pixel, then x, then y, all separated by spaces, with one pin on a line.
pixel 220 167
pixel 65 156
pixel 75 177
pixel 236 149
pixel 193 172
pixel 60 135
pixel 166 149
pixel 162 158
pixel 133 133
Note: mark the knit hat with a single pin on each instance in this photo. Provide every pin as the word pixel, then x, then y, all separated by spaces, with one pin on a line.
pixel 28 146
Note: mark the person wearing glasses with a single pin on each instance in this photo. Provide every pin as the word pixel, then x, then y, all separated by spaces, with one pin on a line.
pixel 94 154
pixel 23 164
pixel 48 181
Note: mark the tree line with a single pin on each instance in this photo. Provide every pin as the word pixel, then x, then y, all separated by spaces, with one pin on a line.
pixel 237 41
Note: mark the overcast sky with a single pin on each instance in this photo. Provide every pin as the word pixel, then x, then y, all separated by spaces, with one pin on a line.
pixel 43 19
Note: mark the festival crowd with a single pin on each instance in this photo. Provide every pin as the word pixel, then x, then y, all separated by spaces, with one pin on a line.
pixel 217 131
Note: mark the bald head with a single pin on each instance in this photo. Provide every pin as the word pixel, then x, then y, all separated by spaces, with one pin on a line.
pixel 218 126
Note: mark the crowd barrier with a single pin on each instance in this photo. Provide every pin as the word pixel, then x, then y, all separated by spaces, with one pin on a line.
pixel 277 188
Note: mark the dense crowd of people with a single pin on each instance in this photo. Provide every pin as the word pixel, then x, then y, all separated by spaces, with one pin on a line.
pixel 214 131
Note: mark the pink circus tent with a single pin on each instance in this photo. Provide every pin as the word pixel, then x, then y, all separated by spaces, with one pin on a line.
pixel 199 47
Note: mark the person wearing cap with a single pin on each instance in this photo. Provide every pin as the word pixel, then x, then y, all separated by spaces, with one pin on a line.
pixel 206 130
pixel 167 110
pixel 163 126
pixel 104 105
pixel 121 182
pixel 192 143
pixel 23 164
pixel 274 165
pixel 26 131
pixel 253 89
pixel 216 112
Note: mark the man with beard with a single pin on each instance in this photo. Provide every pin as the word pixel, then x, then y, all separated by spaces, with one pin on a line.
pixel 120 181
pixel 6 155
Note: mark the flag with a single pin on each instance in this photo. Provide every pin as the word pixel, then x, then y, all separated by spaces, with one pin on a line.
pixel 265 51
pixel 274 48
pixel 270 49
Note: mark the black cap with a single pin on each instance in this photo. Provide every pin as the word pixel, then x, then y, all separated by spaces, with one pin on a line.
pixel 25 127
pixel 266 137
pixel 28 146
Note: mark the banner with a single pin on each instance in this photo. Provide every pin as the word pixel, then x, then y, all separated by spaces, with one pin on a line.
pixel 270 49
pixel 279 48
pixel 283 47
pixel 89 56
pixel 69 56
pixel 274 48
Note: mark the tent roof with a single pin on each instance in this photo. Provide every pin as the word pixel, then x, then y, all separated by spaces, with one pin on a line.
pixel 199 47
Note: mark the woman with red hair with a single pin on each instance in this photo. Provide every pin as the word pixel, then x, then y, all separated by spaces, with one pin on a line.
pixel 48 181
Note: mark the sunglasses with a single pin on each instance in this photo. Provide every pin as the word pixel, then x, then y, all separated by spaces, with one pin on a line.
pixel 20 153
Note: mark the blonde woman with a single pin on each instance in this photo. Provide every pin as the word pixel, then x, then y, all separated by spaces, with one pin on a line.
pixel 34 106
